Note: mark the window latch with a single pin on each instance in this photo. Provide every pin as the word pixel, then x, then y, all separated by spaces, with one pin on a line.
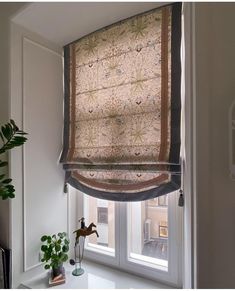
pixel 181 199
pixel 66 190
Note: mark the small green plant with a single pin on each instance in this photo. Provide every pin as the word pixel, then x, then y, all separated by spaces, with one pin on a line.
pixel 55 250
pixel 10 137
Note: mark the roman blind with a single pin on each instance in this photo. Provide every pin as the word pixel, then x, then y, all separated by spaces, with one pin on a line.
pixel 122 108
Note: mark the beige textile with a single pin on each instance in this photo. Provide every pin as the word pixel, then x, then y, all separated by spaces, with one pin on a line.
pixel 120 103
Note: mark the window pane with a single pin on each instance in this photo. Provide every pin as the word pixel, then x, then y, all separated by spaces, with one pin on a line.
pixel 102 214
pixel 148 232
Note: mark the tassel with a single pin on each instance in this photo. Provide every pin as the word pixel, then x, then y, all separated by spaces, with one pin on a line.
pixel 66 190
pixel 181 199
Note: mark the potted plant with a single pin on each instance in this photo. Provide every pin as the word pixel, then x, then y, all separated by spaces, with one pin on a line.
pixel 55 249
pixel 10 137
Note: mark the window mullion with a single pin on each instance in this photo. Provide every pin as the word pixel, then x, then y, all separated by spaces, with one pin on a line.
pixel 123 231
pixel 118 238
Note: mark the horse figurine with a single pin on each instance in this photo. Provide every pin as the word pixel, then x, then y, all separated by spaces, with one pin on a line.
pixel 85 231
pixel 79 246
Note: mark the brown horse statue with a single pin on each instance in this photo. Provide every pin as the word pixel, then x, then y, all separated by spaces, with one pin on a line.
pixel 85 231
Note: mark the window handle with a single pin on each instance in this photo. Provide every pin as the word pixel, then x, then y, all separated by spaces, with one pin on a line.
pixel 181 199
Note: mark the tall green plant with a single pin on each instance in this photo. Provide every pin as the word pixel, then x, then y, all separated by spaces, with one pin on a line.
pixel 11 137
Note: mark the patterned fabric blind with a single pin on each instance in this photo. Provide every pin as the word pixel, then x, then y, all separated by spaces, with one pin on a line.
pixel 122 108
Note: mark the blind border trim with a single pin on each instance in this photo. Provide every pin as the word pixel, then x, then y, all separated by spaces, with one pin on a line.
pixel 163 189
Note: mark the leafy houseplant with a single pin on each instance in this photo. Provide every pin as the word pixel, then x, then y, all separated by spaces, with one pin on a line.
pixel 10 137
pixel 55 250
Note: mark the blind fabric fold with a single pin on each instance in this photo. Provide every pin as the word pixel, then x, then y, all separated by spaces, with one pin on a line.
pixel 122 108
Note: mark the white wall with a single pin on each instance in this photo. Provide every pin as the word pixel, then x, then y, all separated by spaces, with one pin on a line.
pixel 40 206
pixel 215 91
pixel 6 10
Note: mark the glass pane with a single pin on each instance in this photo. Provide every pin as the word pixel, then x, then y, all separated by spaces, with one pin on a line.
pixel 148 232
pixel 102 214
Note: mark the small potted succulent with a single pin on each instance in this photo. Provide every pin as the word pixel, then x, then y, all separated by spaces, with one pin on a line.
pixel 55 249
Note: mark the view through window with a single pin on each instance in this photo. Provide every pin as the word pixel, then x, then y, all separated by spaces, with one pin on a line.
pixel 148 231
pixel 102 213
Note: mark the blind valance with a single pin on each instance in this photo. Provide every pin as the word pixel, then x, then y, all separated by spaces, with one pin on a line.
pixel 122 108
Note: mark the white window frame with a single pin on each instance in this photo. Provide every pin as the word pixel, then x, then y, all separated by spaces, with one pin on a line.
pixel 189 155
pixel 173 274
pixel 120 260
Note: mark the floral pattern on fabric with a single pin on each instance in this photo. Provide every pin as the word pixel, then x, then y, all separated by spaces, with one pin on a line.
pixel 120 79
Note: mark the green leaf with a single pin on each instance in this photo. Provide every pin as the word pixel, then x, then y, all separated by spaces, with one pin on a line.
pixel 44 238
pixel 15 127
pixel 11 195
pixel 54 257
pixel 3 194
pixel 12 122
pixel 10 188
pixel 47 267
pixel 65 249
pixel 66 241
pixel 2 138
pixel 7 181
pixel 65 258
pixel 20 139
pixel 50 248
pixel 7 131
pixel 57 248
pixel 6 191
pixel 47 256
pixel 44 248
pixel 3 164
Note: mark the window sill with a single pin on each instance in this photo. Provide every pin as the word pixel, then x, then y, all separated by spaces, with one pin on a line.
pixel 96 276
pixel 100 249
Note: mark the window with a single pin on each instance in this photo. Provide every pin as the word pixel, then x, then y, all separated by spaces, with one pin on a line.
pixel 139 237
pixel 102 213
pixel 148 232
pixel 122 140
pixel 153 238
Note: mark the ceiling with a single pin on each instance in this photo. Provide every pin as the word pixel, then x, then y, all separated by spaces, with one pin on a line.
pixel 64 22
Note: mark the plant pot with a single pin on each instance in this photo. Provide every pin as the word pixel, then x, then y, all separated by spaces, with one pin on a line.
pixel 57 271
